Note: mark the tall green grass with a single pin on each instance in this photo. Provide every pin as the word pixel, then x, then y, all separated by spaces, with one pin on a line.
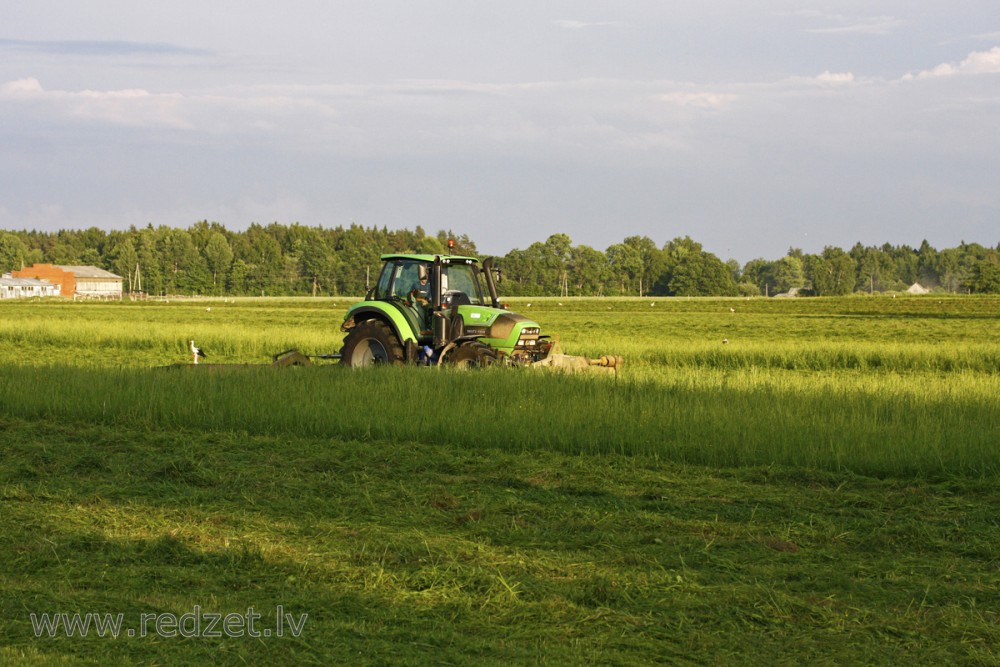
pixel 883 425
pixel 879 386
pixel 142 335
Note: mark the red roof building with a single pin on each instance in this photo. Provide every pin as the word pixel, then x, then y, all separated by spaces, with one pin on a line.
pixel 76 281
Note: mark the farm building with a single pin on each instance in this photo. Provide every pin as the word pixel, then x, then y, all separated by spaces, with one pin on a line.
pixel 23 288
pixel 87 282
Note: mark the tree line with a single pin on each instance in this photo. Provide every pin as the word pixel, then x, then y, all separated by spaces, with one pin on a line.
pixel 288 260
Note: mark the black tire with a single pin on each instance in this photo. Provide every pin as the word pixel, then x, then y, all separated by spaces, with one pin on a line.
pixel 371 342
pixel 472 355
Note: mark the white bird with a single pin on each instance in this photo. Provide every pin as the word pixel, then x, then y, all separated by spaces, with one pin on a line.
pixel 725 341
pixel 732 310
pixel 197 352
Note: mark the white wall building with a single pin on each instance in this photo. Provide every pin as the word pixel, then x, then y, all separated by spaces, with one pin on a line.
pixel 25 288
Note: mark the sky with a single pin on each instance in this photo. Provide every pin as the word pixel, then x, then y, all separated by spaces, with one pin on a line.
pixel 750 126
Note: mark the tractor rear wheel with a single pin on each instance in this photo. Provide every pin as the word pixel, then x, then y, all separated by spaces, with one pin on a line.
pixel 472 355
pixel 371 342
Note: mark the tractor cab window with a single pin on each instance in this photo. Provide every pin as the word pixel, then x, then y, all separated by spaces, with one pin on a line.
pixel 406 279
pixel 460 279
pixel 382 289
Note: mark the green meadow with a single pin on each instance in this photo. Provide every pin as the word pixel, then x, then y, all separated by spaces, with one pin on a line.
pixel 801 480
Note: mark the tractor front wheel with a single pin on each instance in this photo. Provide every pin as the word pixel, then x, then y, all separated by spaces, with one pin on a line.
pixel 472 355
pixel 371 342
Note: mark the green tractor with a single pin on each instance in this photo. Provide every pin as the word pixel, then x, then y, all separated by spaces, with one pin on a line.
pixel 434 310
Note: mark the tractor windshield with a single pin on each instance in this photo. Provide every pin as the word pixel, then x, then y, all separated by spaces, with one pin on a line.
pixel 461 279
pixel 401 279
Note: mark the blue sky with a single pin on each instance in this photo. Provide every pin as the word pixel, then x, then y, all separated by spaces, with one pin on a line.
pixel 749 126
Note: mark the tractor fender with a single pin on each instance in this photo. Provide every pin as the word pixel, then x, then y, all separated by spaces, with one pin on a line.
pixel 382 311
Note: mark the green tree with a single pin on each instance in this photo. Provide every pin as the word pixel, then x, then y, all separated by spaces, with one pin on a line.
pixel 952 275
pixel 430 245
pixel 542 268
pixel 151 274
pixel 986 277
pixel 905 266
pixel 184 267
pixel 13 252
pixel 927 273
pixel 515 276
pixel 875 268
pixel 653 262
pixel 625 265
pixel 832 273
pixel 219 256
pixel 124 259
pixel 555 259
pixel 692 271
pixel 757 272
pixel 589 271
pixel 787 273
pixel 239 281
pixel 357 260
pixel 463 244
pixel 734 269
pixel 267 266
pixel 317 262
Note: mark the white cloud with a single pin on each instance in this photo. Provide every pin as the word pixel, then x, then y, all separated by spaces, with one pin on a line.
pixel 21 87
pixel 877 25
pixel 977 62
pixel 700 100
pixel 836 77
pixel 128 107
pixel 843 24
pixel 132 108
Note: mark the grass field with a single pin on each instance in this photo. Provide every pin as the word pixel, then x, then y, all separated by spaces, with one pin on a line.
pixel 820 488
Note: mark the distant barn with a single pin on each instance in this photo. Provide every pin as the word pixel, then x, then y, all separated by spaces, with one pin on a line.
pixel 83 282
pixel 25 288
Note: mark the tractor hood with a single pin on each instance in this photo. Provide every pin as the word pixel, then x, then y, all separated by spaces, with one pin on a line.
pixel 498 328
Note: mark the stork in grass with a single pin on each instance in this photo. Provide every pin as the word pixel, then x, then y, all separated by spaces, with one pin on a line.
pixel 197 352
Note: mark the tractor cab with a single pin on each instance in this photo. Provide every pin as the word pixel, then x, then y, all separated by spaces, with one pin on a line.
pixel 419 288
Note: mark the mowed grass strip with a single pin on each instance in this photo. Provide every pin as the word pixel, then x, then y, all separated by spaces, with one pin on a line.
pixel 411 553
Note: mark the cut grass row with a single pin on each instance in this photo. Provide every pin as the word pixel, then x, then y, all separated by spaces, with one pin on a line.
pixel 409 553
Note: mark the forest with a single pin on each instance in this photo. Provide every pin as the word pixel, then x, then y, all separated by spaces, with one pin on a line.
pixel 290 260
